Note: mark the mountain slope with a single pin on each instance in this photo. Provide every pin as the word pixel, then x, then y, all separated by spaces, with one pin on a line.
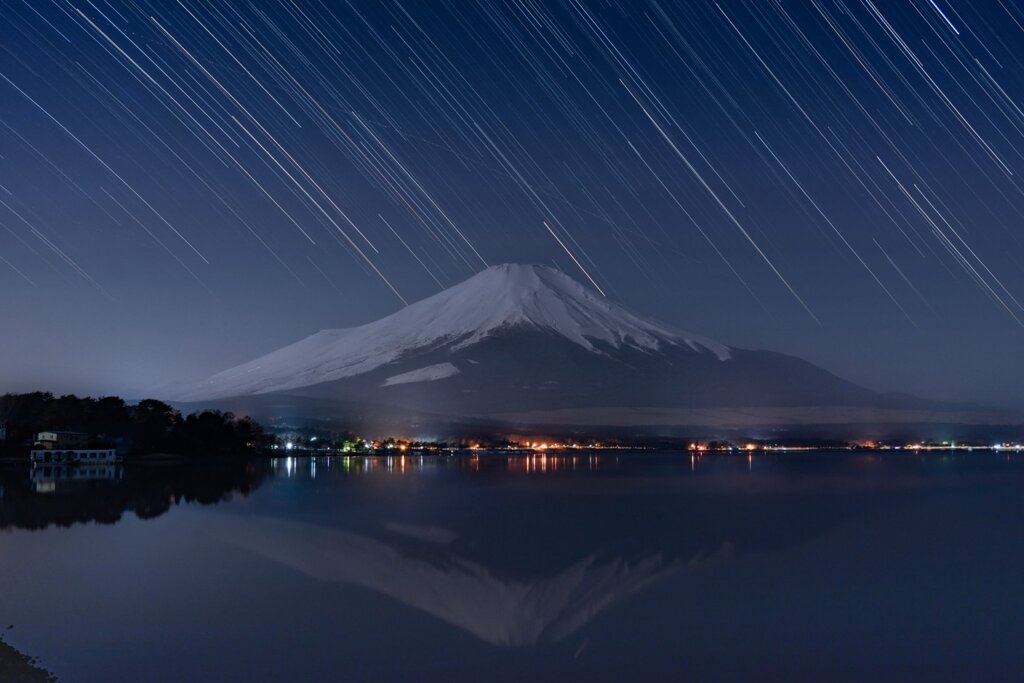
pixel 498 299
pixel 517 340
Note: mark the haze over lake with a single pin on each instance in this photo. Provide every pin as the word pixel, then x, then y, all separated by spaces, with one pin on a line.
pixel 787 566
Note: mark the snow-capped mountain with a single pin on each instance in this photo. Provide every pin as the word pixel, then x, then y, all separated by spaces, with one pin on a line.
pixel 525 344
pixel 499 299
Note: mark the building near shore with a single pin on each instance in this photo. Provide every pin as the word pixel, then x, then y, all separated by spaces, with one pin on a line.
pixel 61 439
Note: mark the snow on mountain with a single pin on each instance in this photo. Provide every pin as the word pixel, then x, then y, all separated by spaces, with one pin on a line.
pixel 498 298
pixel 427 374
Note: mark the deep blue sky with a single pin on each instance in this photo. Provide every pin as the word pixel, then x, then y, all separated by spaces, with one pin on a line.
pixel 186 185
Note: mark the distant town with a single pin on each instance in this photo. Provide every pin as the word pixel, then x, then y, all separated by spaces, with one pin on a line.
pixel 67 430
pixel 297 444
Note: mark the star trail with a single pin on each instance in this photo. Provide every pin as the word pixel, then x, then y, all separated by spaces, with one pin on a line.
pixel 840 173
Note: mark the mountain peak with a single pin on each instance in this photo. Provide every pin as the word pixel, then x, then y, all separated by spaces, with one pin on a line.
pixel 510 294
pixel 522 281
pixel 498 298
pixel 541 297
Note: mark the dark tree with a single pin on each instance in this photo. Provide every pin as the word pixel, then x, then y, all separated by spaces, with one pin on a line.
pixel 153 426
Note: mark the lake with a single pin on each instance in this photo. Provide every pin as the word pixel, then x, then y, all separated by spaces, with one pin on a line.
pixel 839 566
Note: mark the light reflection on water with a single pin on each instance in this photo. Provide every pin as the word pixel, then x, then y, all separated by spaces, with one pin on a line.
pixel 307 466
pixel 810 566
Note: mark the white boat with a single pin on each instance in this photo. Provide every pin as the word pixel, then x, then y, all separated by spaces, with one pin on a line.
pixel 74 456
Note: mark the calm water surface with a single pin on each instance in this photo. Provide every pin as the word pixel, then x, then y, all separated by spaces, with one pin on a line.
pixel 811 566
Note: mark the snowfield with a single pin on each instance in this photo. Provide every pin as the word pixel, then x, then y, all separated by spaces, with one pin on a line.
pixel 427 374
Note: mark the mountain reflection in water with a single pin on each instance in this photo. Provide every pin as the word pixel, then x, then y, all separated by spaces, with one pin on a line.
pixel 498 609
pixel 518 590
pixel 817 566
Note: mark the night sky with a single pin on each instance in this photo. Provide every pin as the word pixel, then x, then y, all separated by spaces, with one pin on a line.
pixel 186 185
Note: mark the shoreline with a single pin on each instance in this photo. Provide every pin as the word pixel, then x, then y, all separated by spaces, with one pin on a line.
pixel 18 667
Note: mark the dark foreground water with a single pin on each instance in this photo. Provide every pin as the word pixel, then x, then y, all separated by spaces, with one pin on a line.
pixel 819 566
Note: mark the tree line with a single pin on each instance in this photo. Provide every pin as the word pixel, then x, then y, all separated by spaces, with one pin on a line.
pixel 149 426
